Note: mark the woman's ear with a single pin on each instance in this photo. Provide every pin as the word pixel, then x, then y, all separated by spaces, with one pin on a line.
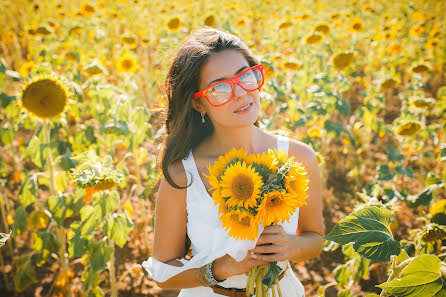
pixel 196 104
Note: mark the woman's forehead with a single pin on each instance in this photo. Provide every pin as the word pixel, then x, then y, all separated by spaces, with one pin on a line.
pixel 223 64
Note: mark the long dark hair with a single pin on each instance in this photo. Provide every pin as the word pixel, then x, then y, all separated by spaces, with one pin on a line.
pixel 184 129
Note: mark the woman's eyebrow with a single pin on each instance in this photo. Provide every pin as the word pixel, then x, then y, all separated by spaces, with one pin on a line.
pixel 223 78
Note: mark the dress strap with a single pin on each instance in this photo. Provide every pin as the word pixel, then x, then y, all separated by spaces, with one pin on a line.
pixel 283 143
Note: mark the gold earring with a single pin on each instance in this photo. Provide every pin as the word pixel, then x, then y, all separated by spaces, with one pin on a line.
pixel 202 118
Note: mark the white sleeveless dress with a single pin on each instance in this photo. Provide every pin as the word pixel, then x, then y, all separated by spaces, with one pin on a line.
pixel 210 241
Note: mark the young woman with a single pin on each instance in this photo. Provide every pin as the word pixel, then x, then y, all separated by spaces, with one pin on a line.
pixel 213 89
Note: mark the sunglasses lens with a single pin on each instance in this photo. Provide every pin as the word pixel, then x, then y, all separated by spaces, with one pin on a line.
pixel 220 93
pixel 251 80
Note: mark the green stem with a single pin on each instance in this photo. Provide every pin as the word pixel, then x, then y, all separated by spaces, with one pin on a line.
pixel 114 291
pixel 4 273
pixel 61 236
pixel 5 223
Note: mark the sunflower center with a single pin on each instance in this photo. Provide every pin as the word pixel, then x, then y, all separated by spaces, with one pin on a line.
pixel 127 64
pixel 242 187
pixel 245 221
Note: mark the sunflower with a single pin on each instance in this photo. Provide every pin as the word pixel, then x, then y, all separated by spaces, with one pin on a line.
pixel 388 83
pixel 395 49
pixel 87 9
pixel 313 38
pixel 93 69
pixel 241 184
pixel 266 160
pixel 323 28
pixel 292 65
pixel 223 161
pixel 274 208
pixel 209 21
pixel 127 63
pixel 174 24
pixel 431 44
pixel 408 129
pixel 130 40
pixel 356 26
pixel 296 184
pixel 285 25
pixel 44 30
pixel 45 96
pixel 422 102
pixel 25 68
pixel 280 156
pixel 218 200
pixel 342 60
pixel 241 23
pixel 416 30
pixel 241 224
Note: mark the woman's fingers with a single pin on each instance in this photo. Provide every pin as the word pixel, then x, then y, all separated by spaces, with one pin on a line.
pixel 273 229
pixel 271 248
pixel 270 258
pixel 269 238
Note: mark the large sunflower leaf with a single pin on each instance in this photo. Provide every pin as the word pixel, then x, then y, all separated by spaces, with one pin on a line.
pixel 369 230
pixel 421 277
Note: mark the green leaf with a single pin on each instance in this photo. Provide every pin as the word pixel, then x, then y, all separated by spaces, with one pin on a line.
pixel 77 244
pixel 406 171
pixel 100 255
pixel 7 134
pixel 28 191
pixel 343 106
pixel 45 243
pixel 19 227
pixel 369 230
pixel 25 275
pixel 421 277
pixel 38 219
pixel 272 274
pixel 62 181
pixel 344 293
pixel 5 100
pixel 425 197
pixel 105 203
pixel 393 154
pixel 342 275
pixel 118 227
pixel 61 207
pixel 89 220
pixel 384 173
pixel 34 150
pixel 66 163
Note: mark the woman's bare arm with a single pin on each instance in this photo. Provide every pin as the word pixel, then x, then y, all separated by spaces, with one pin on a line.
pixel 275 244
pixel 170 236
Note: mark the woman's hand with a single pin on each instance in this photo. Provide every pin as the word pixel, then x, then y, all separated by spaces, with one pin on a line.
pixel 227 266
pixel 273 245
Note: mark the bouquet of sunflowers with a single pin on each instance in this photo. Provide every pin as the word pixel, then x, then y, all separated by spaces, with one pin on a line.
pixel 253 189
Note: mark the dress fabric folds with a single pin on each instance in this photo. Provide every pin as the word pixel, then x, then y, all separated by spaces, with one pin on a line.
pixel 210 241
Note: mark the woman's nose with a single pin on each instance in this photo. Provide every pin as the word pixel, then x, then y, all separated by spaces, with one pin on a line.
pixel 238 91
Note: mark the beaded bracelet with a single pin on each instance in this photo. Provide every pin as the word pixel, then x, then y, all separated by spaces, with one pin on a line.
pixel 209 276
pixel 200 275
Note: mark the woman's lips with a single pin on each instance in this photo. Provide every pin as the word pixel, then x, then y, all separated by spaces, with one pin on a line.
pixel 244 107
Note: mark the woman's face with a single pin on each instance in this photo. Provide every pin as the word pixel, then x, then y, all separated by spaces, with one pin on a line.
pixel 221 66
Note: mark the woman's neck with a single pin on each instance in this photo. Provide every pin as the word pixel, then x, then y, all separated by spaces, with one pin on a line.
pixel 223 139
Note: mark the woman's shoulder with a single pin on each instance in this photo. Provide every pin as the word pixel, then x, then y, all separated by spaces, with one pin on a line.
pixel 177 174
pixel 302 152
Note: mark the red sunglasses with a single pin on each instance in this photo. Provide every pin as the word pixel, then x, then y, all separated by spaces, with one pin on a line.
pixel 221 92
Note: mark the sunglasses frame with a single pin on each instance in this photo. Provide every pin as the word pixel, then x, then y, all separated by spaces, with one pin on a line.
pixel 232 82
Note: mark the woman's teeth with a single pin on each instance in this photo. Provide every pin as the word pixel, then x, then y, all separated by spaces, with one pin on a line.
pixel 247 106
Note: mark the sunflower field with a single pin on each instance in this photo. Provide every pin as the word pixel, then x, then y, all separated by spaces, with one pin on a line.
pixel 81 124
